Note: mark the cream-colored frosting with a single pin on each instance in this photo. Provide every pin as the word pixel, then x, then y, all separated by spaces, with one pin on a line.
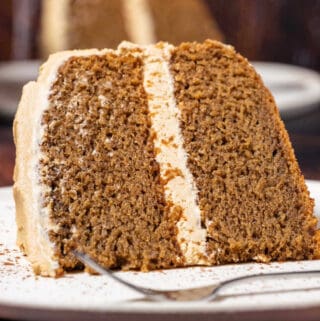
pixel 179 188
pixel 31 237
pixel 34 220
pixel 139 21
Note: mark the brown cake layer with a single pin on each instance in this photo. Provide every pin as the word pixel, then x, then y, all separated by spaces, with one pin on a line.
pixel 192 21
pixel 95 23
pixel 251 192
pixel 99 162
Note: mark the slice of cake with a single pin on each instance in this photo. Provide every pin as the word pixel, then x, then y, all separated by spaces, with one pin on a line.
pixel 156 156
pixel 77 24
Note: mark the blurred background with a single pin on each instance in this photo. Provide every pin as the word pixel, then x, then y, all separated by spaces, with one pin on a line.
pixel 280 37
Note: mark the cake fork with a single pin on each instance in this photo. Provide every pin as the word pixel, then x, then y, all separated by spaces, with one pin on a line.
pixel 204 293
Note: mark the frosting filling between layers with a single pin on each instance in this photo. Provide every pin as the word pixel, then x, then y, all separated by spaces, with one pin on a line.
pixel 180 189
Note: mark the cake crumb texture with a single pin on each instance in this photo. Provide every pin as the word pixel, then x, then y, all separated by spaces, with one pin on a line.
pixel 105 193
pixel 252 196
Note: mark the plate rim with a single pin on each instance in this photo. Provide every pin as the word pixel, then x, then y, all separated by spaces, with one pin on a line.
pixel 296 109
pixel 306 313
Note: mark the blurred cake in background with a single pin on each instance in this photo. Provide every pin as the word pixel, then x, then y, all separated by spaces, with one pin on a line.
pixel 70 24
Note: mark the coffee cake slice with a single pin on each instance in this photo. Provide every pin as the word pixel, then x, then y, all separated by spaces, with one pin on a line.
pixel 156 156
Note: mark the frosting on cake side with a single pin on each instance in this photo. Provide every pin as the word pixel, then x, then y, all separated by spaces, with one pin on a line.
pixel 33 220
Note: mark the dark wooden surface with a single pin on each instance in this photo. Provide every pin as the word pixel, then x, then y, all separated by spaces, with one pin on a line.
pixel 7 154
pixel 272 30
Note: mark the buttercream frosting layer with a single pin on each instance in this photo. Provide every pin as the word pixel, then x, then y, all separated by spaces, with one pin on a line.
pixel 180 188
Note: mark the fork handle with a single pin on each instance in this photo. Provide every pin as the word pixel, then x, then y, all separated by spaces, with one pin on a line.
pixel 225 284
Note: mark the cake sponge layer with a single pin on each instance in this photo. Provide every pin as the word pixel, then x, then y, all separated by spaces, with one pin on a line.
pixel 252 196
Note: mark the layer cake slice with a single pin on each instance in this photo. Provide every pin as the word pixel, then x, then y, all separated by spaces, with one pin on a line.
pixel 156 156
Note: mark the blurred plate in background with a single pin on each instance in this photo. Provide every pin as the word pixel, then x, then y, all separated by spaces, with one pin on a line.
pixel 13 75
pixel 295 89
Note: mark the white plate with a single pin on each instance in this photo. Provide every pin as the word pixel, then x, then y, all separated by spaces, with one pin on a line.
pixel 295 89
pixel 83 293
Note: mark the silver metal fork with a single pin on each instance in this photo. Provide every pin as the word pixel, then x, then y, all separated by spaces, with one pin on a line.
pixel 205 293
